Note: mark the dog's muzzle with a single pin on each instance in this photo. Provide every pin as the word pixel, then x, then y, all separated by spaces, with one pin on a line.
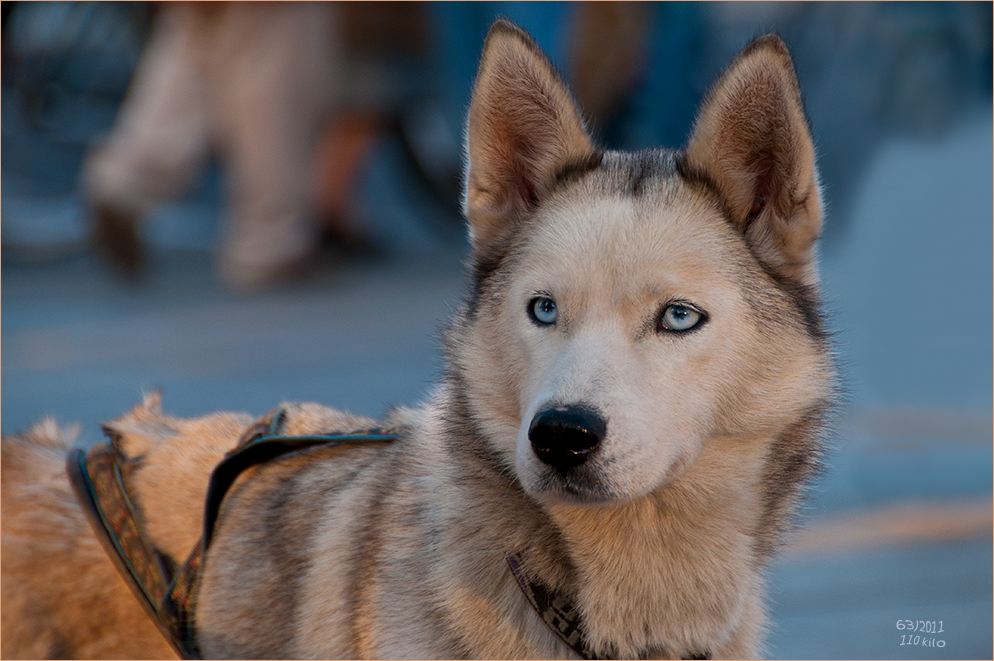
pixel 565 436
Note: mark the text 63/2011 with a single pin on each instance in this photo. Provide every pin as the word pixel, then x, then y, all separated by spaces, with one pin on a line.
pixel 920 626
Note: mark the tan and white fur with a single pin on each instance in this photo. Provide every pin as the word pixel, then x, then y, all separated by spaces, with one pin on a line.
pixel 587 266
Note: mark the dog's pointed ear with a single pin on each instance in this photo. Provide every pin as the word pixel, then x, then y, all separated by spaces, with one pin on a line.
pixel 524 128
pixel 752 141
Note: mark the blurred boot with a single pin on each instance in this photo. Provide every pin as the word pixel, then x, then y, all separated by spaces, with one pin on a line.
pixel 159 142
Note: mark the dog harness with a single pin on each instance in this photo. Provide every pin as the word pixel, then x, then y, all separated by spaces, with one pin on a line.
pixel 169 595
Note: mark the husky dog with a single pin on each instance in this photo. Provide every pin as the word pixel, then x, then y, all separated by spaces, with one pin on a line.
pixel 633 402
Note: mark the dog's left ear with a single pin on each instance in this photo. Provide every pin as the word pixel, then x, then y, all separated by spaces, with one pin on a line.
pixel 524 128
pixel 751 140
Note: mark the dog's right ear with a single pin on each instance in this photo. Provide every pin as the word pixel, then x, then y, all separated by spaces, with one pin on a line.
pixel 524 129
pixel 752 141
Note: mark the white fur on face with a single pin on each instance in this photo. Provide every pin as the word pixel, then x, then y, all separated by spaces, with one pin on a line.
pixel 612 265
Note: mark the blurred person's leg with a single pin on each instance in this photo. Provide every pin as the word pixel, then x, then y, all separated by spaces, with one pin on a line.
pixel 157 144
pixel 383 46
pixel 272 72
pixel 343 150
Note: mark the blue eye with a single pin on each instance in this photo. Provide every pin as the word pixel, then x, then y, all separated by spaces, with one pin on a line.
pixel 543 310
pixel 679 317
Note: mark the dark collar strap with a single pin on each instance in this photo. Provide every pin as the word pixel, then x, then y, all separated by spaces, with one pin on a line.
pixel 560 613
pixel 555 609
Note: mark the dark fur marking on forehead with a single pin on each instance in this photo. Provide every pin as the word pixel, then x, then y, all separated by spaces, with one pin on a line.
pixel 576 169
pixel 631 172
pixel 639 174
pixel 648 165
pixel 624 172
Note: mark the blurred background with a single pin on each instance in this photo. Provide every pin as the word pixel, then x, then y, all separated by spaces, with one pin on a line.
pixel 243 204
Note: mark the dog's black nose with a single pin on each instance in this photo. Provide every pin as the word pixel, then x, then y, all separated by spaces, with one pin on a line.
pixel 564 436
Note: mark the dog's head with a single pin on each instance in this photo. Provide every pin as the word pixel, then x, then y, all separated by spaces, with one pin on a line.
pixel 632 310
